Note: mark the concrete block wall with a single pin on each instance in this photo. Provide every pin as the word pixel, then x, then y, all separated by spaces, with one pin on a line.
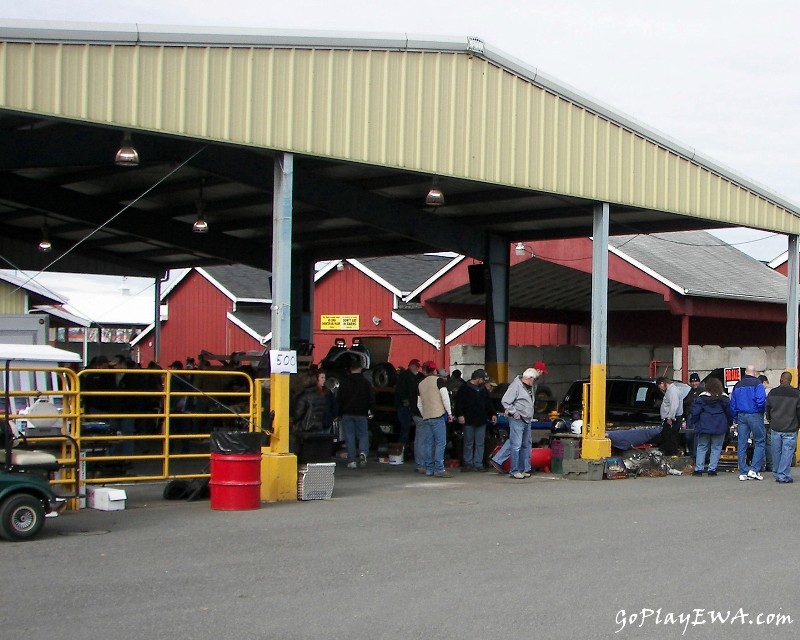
pixel 565 363
pixel 771 361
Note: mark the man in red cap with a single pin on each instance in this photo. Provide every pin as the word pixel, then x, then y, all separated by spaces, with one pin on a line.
pixel 405 399
pixel 434 405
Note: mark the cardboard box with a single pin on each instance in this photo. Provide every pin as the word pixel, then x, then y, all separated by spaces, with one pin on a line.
pixel 105 498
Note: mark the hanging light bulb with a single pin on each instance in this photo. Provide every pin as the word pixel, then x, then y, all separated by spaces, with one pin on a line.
pixel 45 245
pixel 200 225
pixel 435 197
pixel 519 249
pixel 127 156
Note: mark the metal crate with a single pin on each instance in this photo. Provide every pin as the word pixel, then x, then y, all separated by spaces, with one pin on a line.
pixel 315 481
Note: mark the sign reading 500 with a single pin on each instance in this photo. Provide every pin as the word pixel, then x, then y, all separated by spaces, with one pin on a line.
pixel 283 361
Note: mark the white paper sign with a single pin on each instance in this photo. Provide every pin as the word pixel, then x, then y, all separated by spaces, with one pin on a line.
pixel 283 361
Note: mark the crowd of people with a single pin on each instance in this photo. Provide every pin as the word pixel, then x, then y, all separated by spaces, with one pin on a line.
pixel 430 404
pixel 766 418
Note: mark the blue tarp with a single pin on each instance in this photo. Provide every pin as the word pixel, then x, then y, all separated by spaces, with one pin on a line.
pixel 624 439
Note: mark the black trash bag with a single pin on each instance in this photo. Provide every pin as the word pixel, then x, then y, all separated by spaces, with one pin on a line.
pixel 176 490
pixel 236 442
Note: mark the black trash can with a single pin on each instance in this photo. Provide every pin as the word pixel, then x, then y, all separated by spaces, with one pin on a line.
pixel 314 447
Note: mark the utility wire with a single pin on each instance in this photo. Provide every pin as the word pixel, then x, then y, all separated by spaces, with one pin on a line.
pixel 109 221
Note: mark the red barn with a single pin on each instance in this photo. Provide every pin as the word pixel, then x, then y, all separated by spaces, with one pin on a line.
pixel 216 309
pixel 379 300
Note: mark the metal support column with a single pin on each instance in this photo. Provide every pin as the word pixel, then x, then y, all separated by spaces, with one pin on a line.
pixel 157 321
pixel 595 443
pixel 278 466
pixel 793 273
pixel 302 302
pixel 497 308
pixel 444 359
pixel 685 347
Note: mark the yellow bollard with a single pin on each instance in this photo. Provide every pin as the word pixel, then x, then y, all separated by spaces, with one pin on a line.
pixel 278 466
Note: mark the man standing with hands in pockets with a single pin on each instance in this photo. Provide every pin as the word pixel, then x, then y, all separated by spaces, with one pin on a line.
pixel 518 404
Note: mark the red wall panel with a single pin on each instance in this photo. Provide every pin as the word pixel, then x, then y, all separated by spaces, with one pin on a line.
pixel 197 321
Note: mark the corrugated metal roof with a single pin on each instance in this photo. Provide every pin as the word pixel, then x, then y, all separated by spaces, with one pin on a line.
pixel 27 282
pixel 703 266
pixel 370 120
pixel 539 284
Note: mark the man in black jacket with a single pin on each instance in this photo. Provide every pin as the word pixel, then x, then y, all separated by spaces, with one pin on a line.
pixel 356 401
pixel 783 413
pixel 406 399
pixel 474 409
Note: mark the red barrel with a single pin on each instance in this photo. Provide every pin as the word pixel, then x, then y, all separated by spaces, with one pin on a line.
pixel 235 481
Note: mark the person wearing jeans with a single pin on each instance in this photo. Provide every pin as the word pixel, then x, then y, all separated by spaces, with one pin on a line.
pixel 474 410
pixel 434 405
pixel 748 400
pixel 356 430
pixel 711 417
pixel 783 413
pixel 356 401
pixel 518 405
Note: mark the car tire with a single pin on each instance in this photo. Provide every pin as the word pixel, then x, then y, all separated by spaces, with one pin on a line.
pixel 384 375
pixel 21 517
pixel 544 401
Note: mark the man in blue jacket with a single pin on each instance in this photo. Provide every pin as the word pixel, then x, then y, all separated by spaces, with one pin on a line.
pixel 747 405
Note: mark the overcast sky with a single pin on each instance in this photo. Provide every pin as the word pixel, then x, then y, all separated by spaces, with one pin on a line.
pixel 719 76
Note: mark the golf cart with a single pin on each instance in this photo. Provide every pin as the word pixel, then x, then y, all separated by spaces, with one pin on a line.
pixel 26 495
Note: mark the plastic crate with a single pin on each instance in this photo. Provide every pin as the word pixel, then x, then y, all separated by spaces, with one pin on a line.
pixel 572 449
pixel 315 481
pixel 583 469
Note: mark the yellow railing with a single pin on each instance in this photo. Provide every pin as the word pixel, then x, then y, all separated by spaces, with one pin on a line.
pixel 150 430
pixel 56 384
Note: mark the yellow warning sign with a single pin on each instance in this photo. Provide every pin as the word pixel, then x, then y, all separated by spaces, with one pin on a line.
pixel 339 323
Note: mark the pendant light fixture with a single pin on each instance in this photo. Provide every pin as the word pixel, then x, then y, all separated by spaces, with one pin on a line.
pixel 127 156
pixel 200 225
pixel 45 246
pixel 435 197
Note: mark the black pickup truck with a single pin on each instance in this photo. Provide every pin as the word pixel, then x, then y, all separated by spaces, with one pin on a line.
pixel 630 402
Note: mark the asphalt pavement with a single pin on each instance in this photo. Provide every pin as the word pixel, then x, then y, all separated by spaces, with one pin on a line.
pixel 396 555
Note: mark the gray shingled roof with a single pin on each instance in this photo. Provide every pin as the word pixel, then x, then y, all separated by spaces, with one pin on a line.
pixel 242 281
pixel 257 317
pixel 419 318
pixel 703 265
pixel 407 272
